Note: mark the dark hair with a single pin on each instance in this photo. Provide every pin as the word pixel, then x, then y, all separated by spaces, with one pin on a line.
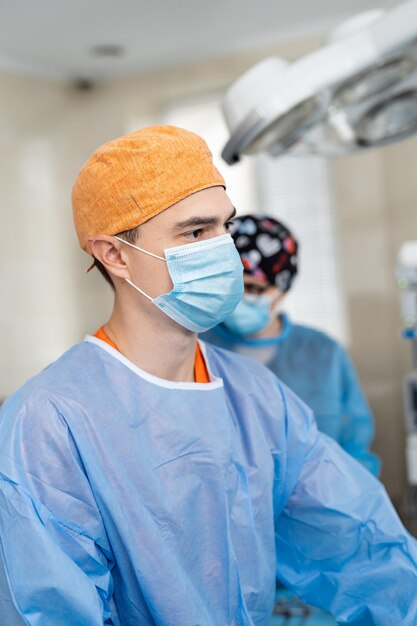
pixel 129 235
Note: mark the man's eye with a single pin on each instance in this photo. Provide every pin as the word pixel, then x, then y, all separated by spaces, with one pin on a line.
pixel 229 225
pixel 194 234
pixel 254 290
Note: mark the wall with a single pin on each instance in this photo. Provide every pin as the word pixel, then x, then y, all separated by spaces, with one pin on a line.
pixel 376 195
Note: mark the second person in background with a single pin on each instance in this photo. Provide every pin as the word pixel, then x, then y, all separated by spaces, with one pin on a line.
pixel 310 362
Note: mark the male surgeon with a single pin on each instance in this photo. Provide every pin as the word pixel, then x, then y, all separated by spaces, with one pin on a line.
pixel 149 479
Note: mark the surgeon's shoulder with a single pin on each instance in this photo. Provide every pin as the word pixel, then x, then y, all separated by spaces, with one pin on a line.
pixel 40 394
pixel 232 366
pixel 313 335
pixel 31 419
pixel 285 417
pixel 314 340
pixel 248 376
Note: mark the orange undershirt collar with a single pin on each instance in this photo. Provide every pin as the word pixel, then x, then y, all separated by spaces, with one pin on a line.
pixel 201 374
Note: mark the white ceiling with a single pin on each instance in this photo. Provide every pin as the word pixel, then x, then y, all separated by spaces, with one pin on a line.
pixel 54 38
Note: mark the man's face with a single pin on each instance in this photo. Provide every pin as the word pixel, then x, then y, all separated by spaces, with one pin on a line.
pixel 201 216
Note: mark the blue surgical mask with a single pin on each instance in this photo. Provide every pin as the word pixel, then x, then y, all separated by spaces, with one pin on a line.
pixel 252 314
pixel 207 279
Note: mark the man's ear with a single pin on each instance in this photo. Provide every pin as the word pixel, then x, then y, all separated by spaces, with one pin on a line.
pixel 109 251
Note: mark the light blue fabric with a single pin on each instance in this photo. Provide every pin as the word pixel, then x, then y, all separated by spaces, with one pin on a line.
pixel 250 316
pixel 319 370
pixel 132 501
pixel 207 278
pixel 290 611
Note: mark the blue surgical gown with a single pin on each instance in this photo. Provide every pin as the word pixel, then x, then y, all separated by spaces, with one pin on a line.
pixel 318 369
pixel 128 500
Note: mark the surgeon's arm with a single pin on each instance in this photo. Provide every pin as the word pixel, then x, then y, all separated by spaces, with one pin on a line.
pixel 54 559
pixel 358 422
pixel 340 544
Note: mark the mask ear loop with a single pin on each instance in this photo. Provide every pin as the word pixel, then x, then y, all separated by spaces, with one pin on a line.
pixel 138 289
pixel 146 252
pixel 140 249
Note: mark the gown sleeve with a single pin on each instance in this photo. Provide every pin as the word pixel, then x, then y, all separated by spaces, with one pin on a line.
pixel 357 419
pixel 340 544
pixel 55 560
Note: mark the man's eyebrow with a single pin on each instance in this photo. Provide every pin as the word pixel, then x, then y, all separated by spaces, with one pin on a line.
pixel 196 221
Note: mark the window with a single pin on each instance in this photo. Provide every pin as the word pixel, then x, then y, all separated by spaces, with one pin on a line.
pixel 298 191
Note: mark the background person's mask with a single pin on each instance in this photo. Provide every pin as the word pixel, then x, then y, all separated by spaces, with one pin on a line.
pixel 252 314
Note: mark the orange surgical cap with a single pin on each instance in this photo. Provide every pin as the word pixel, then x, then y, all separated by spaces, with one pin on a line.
pixel 131 179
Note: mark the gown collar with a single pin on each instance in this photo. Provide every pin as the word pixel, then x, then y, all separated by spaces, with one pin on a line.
pixel 214 383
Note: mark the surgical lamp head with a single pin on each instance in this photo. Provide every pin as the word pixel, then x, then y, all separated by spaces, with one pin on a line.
pixel 358 91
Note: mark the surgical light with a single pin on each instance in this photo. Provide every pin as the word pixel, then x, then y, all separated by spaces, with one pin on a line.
pixel 357 91
pixel 374 81
pixel 395 118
